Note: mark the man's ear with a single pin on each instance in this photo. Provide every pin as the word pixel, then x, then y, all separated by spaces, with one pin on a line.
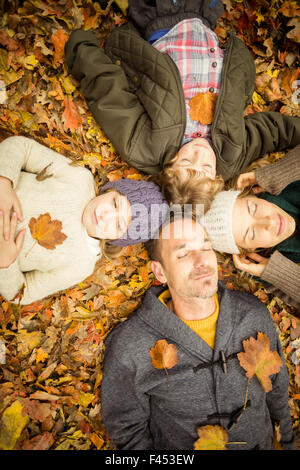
pixel 158 271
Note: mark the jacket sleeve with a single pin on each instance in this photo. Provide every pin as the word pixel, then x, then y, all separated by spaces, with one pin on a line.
pixel 269 132
pixel 106 90
pixel 277 401
pixel 23 154
pixel 276 176
pixel 125 410
pixel 37 284
pixel 283 274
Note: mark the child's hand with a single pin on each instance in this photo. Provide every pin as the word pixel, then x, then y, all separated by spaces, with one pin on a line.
pixel 9 249
pixel 8 201
pixel 248 179
pixel 256 269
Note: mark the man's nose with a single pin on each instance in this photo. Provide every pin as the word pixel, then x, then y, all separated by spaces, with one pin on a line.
pixel 200 259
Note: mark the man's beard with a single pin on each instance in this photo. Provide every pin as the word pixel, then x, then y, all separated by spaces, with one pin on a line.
pixel 204 290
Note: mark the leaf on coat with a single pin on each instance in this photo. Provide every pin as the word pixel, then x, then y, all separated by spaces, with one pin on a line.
pixel 202 107
pixel 163 355
pixel 11 425
pixel 259 360
pixel 211 438
pixel 47 232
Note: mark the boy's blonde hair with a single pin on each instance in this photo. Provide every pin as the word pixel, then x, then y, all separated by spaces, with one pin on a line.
pixel 191 189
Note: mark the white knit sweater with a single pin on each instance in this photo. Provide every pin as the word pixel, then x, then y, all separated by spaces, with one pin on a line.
pixel 64 196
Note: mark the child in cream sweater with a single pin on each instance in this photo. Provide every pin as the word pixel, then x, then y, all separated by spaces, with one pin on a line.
pixel 67 194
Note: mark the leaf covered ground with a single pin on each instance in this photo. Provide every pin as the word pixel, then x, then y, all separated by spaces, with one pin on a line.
pixel 50 377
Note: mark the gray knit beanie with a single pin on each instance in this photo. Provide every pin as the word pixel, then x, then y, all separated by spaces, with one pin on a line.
pixel 218 222
pixel 148 207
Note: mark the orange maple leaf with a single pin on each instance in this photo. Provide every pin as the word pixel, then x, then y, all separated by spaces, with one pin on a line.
pixel 71 116
pixel 47 232
pixel 259 360
pixel 163 355
pixel 59 40
pixel 202 107
pixel 211 438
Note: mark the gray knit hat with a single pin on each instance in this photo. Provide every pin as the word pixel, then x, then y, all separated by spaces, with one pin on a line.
pixel 218 222
pixel 148 207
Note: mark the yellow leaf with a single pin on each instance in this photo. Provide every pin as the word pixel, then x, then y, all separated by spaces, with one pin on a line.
pixel 11 425
pixel 41 355
pixel 28 341
pixel 123 5
pixel 67 84
pixel 30 62
pixel 211 438
pixel 85 399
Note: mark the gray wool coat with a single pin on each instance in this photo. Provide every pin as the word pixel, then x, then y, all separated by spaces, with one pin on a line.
pixel 143 409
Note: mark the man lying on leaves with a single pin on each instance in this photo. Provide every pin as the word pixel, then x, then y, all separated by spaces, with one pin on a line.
pixel 52 223
pixel 143 92
pixel 175 371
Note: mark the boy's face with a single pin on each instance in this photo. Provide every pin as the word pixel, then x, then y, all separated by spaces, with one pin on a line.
pixel 198 155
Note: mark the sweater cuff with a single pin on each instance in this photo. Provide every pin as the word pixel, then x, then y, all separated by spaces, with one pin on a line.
pixel 275 177
pixel 10 173
pixel 10 281
pixel 283 274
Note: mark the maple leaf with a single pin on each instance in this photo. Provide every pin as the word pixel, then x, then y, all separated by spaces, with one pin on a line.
pixel 202 107
pixel 59 40
pixel 47 232
pixel 259 360
pixel 163 355
pixel 211 438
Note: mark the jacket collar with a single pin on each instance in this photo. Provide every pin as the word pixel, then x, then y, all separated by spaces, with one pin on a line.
pixel 168 326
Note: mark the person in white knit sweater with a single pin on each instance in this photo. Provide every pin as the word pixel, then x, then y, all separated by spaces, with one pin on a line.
pixel 66 192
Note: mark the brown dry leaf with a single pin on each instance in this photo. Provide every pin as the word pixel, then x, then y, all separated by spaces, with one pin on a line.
pixel 290 9
pixel 47 232
pixel 202 107
pixel 211 438
pixel 59 40
pixel 277 437
pixel 71 116
pixel 259 360
pixel 294 34
pixel 163 355
pixel 41 176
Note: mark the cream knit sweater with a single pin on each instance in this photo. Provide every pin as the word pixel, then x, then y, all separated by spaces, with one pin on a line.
pixel 64 196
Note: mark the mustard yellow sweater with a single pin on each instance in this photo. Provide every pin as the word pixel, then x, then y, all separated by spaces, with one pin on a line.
pixel 205 328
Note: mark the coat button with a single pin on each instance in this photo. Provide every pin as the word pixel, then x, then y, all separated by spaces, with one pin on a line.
pixel 118 62
pixel 211 89
pixel 214 64
pixel 212 49
pixel 135 79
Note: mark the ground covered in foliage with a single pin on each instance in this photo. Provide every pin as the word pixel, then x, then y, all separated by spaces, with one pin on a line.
pixel 51 371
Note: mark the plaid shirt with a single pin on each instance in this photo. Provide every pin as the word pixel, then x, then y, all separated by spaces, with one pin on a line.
pixel 194 49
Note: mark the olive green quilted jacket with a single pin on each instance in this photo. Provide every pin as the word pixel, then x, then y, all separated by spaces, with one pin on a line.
pixel 135 94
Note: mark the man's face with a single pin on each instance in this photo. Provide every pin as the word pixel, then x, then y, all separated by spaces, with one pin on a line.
pixel 189 265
